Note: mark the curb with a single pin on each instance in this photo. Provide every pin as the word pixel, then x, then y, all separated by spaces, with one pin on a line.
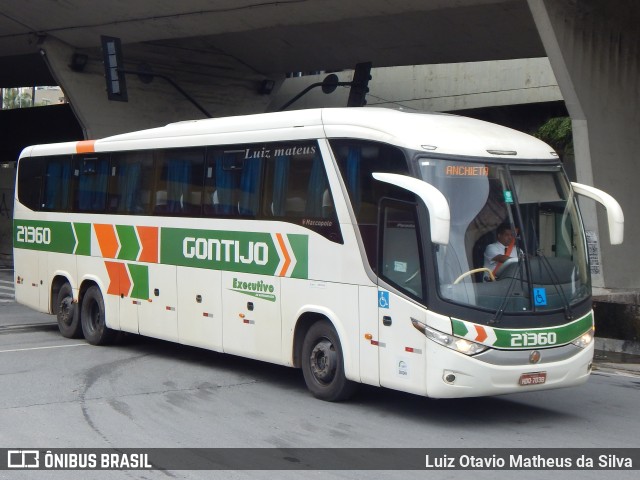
pixel 629 369
pixel 626 347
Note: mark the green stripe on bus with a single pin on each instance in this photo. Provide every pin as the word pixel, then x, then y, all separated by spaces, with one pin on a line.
pixel 44 236
pixel 83 234
pixel 525 338
pixel 300 245
pixel 57 237
pixel 129 245
pixel 459 327
pixel 233 251
pixel 140 279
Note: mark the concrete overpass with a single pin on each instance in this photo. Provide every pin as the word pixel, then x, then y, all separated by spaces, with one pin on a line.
pixel 220 52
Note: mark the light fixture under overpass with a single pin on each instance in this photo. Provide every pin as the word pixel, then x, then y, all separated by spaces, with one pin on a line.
pixel 115 74
pixel 112 57
pixel 266 87
pixel 78 62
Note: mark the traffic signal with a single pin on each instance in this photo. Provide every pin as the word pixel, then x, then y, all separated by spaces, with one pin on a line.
pixel 359 85
pixel 112 59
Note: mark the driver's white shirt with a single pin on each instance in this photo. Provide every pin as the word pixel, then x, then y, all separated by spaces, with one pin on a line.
pixel 493 250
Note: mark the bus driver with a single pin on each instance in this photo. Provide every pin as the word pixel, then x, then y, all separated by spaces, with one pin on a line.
pixel 499 252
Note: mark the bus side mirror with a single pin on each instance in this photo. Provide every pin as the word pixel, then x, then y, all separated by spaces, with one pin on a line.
pixel 439 214
pixel 615 217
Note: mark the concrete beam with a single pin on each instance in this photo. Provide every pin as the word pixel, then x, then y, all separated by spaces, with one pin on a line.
pixel 288 35
pixel 437 88
pixel 221 85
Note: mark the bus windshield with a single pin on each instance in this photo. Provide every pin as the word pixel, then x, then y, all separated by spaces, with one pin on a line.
pixel 516 242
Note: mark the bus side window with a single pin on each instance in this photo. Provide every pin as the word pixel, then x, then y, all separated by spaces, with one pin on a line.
pixel 296 188
pixel 400 260
pixel 278 203
pixel 92 175
pixel 298 184
pixel 180 182
pixel 318 186
pixel 357 160
pixel 57 183
pixel 30 179
pixel 131 182
pixel 232 183
pixel 250 183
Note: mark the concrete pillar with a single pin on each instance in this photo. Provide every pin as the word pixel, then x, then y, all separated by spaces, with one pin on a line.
pixel 594 50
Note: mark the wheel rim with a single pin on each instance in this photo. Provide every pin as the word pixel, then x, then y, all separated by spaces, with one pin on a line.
pixel 94 316
pixel 323 361
pixel 65 311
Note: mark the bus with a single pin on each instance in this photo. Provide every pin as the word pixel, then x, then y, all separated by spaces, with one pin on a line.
pixel 345 242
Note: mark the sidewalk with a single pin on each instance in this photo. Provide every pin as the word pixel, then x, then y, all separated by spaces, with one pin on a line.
pixel 7 289
pixel 620 362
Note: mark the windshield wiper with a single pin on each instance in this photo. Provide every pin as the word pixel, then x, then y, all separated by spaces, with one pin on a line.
pixel 568 312
pixel 503 305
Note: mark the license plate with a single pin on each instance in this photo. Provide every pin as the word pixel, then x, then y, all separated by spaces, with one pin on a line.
pixel 536 378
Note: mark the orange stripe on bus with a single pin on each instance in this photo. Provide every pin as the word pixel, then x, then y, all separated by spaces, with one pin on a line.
pixel 107 240
pixel 287 258
pixel 149 242
pixel 119 283
pixel 85 146
pixel 482 334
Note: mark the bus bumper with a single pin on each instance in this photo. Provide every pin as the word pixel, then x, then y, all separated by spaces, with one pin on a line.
pixel 455 375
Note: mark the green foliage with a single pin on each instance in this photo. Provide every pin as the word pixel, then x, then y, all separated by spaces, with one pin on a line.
pixel 13 98
pixel 557 133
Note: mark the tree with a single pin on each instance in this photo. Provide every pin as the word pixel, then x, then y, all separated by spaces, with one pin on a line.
pixel 557 132
pixel 15 98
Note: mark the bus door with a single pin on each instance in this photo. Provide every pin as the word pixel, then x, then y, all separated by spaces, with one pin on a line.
pixel 252 325
pixel 157 316
pixel 30 277
pixel 200 307
pixel 146 298
pixel 401 346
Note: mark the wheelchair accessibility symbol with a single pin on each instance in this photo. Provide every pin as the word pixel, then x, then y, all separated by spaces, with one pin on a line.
pixel 540 296
pixel 383 299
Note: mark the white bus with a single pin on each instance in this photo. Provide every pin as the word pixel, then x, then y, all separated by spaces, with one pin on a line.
pixel 346 242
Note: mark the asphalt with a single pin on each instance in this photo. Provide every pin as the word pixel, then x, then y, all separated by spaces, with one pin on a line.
pixel 14 316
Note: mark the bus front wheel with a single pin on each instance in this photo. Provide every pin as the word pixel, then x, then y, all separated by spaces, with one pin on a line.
pixel 93 319
pixel 323 364
pixel 67 313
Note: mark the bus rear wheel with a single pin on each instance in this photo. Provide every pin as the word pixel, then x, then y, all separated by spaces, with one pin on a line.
pixel 93 319
pixel 323 364
pixel 67 313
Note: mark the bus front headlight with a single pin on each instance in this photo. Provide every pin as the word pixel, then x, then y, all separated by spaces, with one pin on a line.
pixel 458 344
pixel 585 339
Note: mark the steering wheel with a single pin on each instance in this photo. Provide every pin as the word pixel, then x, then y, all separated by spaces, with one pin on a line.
pixel 503 267
pixel 413 275
pixel 475 270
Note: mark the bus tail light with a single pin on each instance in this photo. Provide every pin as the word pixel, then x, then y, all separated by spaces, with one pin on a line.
pixel 455 343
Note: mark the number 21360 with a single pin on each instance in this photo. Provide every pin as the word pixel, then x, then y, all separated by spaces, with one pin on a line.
pixel 39 235
pixel 531 339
